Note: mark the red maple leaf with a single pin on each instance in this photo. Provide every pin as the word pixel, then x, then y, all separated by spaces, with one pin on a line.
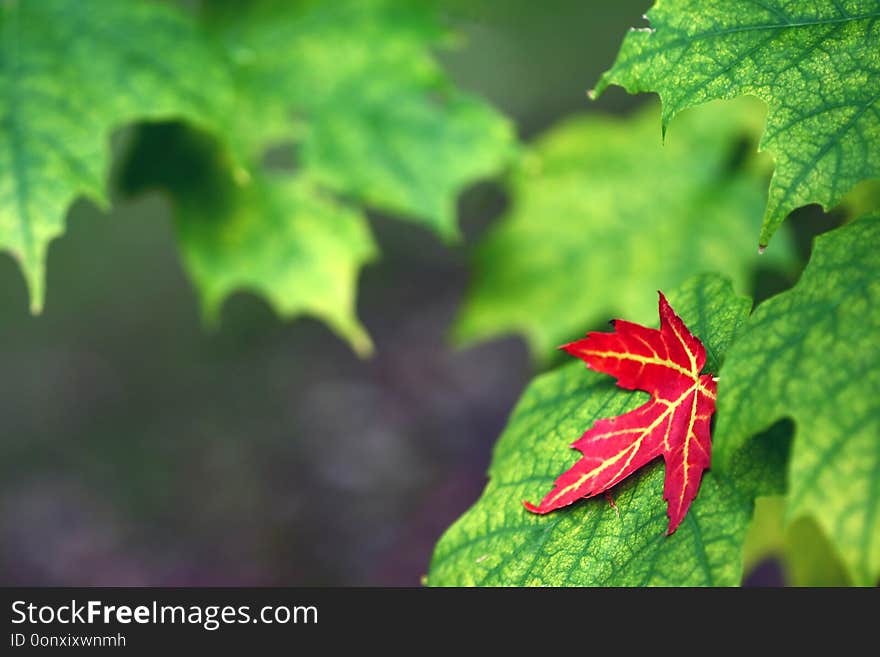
pixel 673 424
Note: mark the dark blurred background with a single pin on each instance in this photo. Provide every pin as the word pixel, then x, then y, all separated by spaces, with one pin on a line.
pixel 139 448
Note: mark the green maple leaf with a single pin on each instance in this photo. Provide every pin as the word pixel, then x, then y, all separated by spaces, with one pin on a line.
pixel 812 354
pixel 498 542
pixel 71 72
pixel 376 119
pixel 816 64
pixel 271 234
pixel 602 211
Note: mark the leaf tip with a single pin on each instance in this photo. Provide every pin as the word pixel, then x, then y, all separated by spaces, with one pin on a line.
pixel 363 345
pixel 531 507
pixel 663 303
pixel 35 282
pixel 674 522
pixel 761 249
pixel 601 85
pixel 36 304
pixel 354 333
pixel 572 348
pixel 450 233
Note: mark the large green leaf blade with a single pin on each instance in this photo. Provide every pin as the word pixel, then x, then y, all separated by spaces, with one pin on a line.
pixel 497 542
pixel 812 354
pixel 602 211
pixel 71 72
pixel 816 64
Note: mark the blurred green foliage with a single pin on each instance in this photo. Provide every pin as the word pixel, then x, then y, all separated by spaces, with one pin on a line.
pixel 274 235
pixel 602 211
pixel 351 84
pixel 355 86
